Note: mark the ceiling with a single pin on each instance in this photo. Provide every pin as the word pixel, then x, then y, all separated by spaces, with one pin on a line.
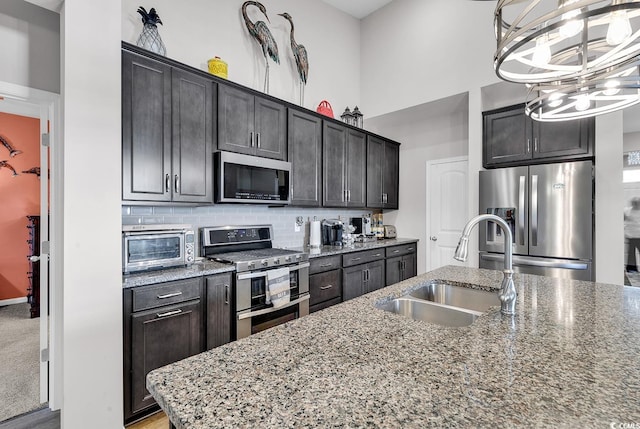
pixel 358 8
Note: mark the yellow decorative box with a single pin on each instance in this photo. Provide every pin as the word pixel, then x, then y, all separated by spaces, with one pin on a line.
pixel 218 67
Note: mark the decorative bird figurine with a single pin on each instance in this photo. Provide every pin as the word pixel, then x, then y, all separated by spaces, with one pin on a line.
pixel 33 170
pixel 12 152
pixel 261 33
pixel 300 55
pixel 5 164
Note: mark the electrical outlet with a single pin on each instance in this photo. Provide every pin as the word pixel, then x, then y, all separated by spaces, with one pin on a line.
pixel 296 227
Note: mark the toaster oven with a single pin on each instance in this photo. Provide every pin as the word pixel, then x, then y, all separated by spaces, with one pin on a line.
pixel 152 247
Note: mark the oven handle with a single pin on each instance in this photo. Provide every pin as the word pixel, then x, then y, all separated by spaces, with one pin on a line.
pixel 251 314
pixel 245 276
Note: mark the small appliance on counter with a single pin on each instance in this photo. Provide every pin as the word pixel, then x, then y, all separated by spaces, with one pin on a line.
pixel 152 247
pixel 390 231
pixel 362 225
pixel 332 230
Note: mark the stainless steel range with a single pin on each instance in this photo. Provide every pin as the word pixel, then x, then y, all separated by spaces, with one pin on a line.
pixel 250 249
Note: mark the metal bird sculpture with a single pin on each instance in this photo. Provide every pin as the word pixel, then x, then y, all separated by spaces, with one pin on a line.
pixel 5 164
pixel 12 152
pixel 259 31
pixel 300 55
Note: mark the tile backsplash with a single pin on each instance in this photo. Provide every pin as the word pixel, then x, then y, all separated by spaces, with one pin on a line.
pixel 283 219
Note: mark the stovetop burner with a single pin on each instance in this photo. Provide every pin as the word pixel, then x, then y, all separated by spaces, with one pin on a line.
pixel 249 248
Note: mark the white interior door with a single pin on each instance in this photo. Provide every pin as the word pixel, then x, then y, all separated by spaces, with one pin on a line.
pixel 447 209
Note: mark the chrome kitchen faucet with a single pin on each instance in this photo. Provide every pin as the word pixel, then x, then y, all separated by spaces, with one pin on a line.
pixel 507 293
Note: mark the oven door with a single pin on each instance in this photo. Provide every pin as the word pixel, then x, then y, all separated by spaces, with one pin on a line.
pixel 254 314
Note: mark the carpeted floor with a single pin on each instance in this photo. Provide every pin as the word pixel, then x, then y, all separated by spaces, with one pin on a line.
pixel 19 361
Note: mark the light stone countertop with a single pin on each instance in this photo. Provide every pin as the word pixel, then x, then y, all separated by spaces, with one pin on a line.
pixel 569 358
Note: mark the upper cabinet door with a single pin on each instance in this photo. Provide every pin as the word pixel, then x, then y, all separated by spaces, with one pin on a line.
pixel 507 137
pixel 236 132
pixel 305 155
pixel 375 162
pixel 334 139
pixel 193 130
pixel 356 169
pixel 271 129
pixel 146 129
pixel 391 172
pixel 563 139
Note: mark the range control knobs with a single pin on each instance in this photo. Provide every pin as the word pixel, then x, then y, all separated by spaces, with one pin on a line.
pixel 276 261
pixel 265 262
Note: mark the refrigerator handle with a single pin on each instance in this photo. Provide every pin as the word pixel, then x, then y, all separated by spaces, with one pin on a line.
pixel 534 209
pixel 521 195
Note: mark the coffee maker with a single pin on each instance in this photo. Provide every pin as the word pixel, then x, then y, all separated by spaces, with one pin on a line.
pixel 332 232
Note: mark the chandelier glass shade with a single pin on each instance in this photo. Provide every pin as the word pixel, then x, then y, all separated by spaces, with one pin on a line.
pixel 579 58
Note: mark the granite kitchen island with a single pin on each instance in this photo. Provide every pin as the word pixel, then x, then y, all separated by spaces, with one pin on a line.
pixel 569 358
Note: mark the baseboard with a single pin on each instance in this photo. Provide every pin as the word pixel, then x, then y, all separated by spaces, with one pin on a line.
pixel 11 301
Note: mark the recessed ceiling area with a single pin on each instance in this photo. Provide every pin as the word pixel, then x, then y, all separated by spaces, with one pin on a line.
pixel 358 8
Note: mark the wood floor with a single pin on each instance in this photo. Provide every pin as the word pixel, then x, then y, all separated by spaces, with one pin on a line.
pixel 157 421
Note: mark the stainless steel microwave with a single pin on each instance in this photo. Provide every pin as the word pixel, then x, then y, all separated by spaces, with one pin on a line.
pixel 251 179
pixel 150 247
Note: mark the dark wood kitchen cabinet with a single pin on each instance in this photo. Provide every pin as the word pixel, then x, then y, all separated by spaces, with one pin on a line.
pixel 344 166
pixel 383 159
pixel 251 124
pixel 218 312
pixel 401 263
pixel 363 272
pixel 162 324
pixel 512 138
pixel 167 132
pixel 325 282
pixel 305 154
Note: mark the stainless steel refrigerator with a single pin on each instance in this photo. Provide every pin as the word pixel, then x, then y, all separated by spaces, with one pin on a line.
pixel 550 211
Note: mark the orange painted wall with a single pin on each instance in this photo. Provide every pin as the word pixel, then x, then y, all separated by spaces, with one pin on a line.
pixel 19 197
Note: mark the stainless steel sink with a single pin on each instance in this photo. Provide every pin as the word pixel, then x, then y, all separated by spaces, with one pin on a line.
pixel 456 296
pixel 429 312
pixel 442 303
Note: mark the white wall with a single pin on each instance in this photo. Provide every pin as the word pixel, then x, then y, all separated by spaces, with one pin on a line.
pixel 416 51
pixel 197 30
pixel 29 47
pixel 92 316
pixel 434 130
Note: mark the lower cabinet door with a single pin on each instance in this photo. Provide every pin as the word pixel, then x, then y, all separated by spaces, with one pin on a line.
pixel 325 286
pixel 160 337
pixel 218 289
pixel 375 276
pixel 352 282
pixel 394 271
pixel 410 268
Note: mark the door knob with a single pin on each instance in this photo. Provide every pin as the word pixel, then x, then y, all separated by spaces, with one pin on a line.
pixel 433 238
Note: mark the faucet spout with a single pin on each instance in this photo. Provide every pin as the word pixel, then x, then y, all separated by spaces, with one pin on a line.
pixel 507 293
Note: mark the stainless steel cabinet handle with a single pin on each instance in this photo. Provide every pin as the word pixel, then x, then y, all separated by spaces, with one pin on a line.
pixel 354 259
pixel 377 254
pixel 521 195
pixel 226 294
pixel 251 138
pixel 396 251
pixel 169 295
pixel 410 249
pixel 344 196
pixel 326 265
pixel 167 183
pixel 535 144
pixel 349 195
pixel 258 139
pixel 176 184
pixel 534 210
pixel 169 313
pixel 326 287
pixel 528 145
pixel 433 238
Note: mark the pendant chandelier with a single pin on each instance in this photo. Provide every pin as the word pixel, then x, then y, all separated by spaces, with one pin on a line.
pixel 579 58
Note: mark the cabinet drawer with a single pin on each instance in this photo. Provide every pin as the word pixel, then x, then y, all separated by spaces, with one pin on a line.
pixel 145 297
pixel 325 286
pixel 405 249
pixel 358 258
pixel 318 265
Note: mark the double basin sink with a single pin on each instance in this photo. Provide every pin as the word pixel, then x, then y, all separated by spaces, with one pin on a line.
pixel 443 303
